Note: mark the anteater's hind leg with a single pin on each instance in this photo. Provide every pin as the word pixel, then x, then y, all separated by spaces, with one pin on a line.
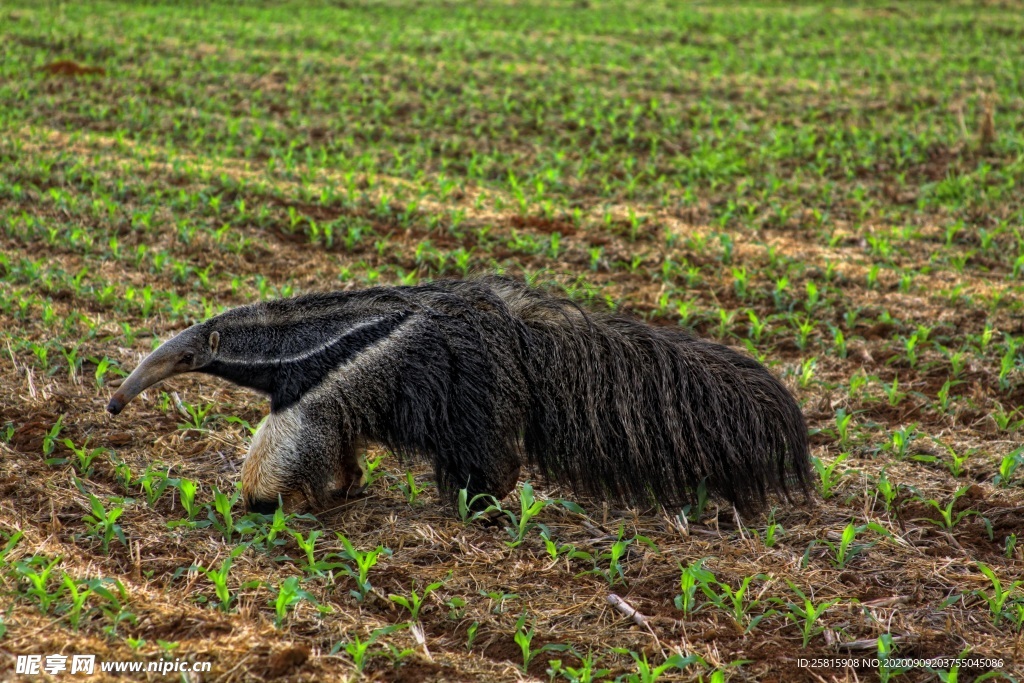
pixel 495 478
pixel 349 475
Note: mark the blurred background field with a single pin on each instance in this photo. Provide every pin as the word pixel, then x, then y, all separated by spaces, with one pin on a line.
pixel 835 189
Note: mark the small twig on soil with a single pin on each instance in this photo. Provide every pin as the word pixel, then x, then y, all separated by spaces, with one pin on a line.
pixel 869 644
pixel 30 636
pixel 954 542
pixel 639 619
pixel 230 673
pixel 178 405
pixel 421 639
pixel 14 361
pixel 886 602
pixel 31 385
pixel 679 522
pixel 628 610
pixel 137 556
pixel 739 523
pixel 54 519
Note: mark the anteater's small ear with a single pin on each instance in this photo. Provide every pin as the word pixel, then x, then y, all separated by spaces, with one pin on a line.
pixel 214 341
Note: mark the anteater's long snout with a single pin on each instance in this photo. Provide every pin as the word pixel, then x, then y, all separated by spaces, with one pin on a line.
pixel 116 404
pixel 156 367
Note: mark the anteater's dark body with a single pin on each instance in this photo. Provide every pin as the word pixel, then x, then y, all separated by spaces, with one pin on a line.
pixel 483 376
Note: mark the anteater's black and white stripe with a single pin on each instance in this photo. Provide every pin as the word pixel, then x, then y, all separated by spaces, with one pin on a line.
pixel 483 376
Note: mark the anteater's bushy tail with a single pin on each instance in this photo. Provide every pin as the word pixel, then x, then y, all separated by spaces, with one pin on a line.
pixel 627 411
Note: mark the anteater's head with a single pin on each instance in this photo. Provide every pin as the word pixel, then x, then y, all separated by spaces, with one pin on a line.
pixel 285 350
pixel 191 351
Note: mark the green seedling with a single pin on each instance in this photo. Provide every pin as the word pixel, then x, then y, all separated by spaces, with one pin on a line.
pixel 220 516
pixel 900 440
pixel 555 549
pixel 109 597
pixel 839 342
pixel 524 639
pixel 999 598
pixel 51 438
pixel 470 511
pixel 77 593
pixel 289 594
pixel 893 393
pixel 414 602
pixel 886 670
pixel 647 673
pixel 103 366
pixel 948 519
pixel 858 381
pixel 956 463
pixel 84 456
pixel 122 472
pixel 410 489
pixel 245 424
pixel 757 326
pixel 886 490
pixel 10 541
pixel 529 507
pixel 736 601
pixel 219 578
pixel 471 634
pixel 365 561
pixel 691 578
pixel 359 650
pixel 1010 546
pixel 804 329
pixel 498 598
pixel 806 614
pixel 37 571
pixel 608 564
pixel 103 524
pixel 199 416
pixel 372 471
pixel 187 490
pixel 847 549
pixel 270 533
pixel 586 672
pixel 807 371
pixel 456 607
pixel 943 396
pixel 829 475
pixel 1008 467
pixel 307 544
pixel 154 483
pixel 772 531
pixel 695 513
pixel 843 420
pixel 1008 421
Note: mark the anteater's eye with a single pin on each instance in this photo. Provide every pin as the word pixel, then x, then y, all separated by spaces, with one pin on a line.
pixel 187 358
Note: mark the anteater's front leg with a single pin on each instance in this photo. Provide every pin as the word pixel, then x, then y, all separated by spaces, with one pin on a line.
pixel 267 473
pixel 299 454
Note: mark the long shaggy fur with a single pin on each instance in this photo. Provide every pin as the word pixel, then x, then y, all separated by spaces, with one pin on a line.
pixel 604 404
pixel 483 376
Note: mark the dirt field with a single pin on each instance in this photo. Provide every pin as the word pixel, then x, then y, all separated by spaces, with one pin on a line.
pixel 838 191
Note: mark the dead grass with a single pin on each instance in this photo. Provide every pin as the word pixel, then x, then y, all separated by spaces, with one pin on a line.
pixel 921 584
